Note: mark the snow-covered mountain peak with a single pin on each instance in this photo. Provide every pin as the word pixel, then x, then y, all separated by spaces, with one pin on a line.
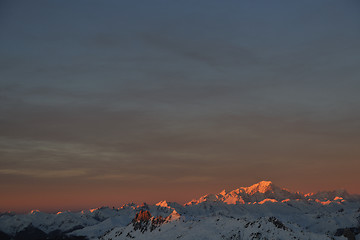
pixel 332 195
pixel 128 206
pixel 223 192
pixel 35 212
pixel 163 204
pixel 173 216
pixel 267 191
pixel 254 194
pixel 260 187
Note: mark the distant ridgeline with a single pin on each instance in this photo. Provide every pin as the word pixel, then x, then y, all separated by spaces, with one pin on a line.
pixel 261 211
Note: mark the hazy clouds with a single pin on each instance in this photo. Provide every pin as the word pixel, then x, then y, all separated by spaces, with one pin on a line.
pixel 154 97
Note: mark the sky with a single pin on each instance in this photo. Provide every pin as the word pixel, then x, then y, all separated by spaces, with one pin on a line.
pixel 108 102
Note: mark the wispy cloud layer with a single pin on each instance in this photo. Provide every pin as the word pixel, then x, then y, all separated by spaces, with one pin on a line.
pixel 143 95
pixel 44 173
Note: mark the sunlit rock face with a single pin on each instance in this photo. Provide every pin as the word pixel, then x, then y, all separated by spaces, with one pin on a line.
pixel 142 216
pixel 141 220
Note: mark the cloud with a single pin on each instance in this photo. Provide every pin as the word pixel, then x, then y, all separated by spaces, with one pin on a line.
pixel 202 93
pixel 37 173
pixel 122 177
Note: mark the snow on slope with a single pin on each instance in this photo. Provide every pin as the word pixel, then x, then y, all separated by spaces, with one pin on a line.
pixel 255 193
pixel 218 227
pixel 261 211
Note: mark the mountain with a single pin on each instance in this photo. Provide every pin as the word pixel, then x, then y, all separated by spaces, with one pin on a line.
pixel 260 211
pixel 258 193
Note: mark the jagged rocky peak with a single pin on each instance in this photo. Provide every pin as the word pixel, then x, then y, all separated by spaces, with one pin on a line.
pixel 142 216
pixel 143 221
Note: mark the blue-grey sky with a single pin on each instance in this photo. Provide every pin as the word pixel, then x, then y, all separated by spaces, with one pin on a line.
pixel 106 102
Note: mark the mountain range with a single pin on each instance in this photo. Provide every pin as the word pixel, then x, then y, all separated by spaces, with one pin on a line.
pixel 261 211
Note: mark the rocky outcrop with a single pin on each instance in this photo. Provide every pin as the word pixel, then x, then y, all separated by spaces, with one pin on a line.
pixel 156 222
pixel 143 221
pixel 277 223
pixel 142 216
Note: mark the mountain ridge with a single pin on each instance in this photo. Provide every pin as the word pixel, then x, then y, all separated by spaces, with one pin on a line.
pixel 267 190
pixel 260 211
